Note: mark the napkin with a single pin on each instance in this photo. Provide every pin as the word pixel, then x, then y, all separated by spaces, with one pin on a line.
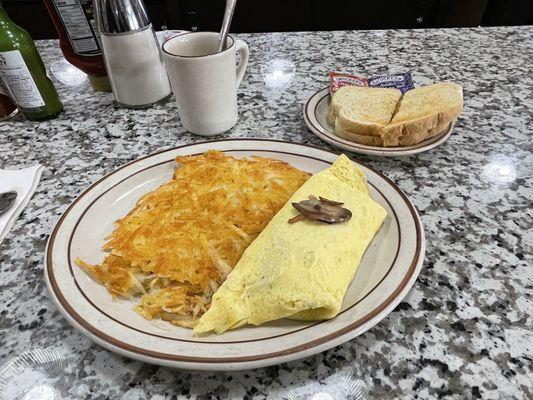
pixel 24 182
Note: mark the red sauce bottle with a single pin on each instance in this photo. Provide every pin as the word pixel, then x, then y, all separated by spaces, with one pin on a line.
pixel 79 39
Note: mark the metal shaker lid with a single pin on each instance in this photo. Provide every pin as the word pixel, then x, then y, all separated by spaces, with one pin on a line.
pixel 119 16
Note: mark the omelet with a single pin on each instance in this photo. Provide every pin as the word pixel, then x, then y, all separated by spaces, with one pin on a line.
pixel 299 270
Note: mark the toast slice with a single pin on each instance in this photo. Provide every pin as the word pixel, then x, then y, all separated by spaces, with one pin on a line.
pixel 363 110
pixel 348 95
pixel 341 97
pixel 422 113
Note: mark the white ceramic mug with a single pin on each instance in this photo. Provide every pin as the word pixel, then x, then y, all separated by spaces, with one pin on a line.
pixel 205 82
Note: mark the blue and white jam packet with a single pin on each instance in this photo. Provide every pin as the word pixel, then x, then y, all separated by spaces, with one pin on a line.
pixel 402 81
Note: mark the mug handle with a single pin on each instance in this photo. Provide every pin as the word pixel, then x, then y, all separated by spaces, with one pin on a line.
pixel 242 49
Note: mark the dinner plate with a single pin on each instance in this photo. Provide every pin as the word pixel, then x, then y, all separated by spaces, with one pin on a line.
pixel 386 273
pixel 315 115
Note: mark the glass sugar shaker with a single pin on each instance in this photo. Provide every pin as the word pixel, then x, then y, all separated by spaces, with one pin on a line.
pixel 131 53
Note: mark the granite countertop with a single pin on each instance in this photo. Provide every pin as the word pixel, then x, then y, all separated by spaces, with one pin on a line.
pixel 463 331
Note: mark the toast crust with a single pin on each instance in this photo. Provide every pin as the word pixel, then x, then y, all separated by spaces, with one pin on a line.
pixel 368 140
pixel 408 140
pixel 359 128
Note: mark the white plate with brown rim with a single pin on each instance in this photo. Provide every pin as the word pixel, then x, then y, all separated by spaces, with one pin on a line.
pixel 315 115
pixel 386 273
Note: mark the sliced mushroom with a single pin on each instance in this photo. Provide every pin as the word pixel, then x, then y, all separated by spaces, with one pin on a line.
pixel 297 218
pixel 321 209
pixel 330 202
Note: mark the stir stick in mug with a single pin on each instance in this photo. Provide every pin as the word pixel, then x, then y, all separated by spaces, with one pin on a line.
pixel 226 22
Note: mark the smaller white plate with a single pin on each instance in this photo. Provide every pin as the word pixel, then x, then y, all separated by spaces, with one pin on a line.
pixel 315 115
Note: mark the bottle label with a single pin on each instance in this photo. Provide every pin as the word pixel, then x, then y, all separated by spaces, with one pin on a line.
pixel 79 21
pixel 18 80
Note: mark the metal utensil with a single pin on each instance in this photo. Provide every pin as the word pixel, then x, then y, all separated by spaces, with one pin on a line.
pixel 226 22
pixel 7 199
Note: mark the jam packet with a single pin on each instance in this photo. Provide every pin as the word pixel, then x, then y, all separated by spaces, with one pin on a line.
pixel 402 82
pixel 338 80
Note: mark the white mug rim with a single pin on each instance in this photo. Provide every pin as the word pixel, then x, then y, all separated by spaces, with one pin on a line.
pixel 196 57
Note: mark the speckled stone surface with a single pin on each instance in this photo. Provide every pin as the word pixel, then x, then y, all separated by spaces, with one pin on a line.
pixel 464 330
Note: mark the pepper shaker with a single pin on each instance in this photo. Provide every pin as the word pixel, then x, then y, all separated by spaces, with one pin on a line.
pixel 131 53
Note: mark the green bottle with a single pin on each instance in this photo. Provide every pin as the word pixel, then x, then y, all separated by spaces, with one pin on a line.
pixel 23 72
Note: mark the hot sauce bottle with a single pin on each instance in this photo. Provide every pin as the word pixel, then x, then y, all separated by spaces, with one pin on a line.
pixel 79 38
pixel 23 72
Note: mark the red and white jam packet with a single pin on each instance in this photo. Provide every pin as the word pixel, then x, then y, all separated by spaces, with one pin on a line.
pixel 402 82
pixel 338 80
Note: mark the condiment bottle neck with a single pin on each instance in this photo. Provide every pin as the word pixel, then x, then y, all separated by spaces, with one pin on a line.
pixel 5 21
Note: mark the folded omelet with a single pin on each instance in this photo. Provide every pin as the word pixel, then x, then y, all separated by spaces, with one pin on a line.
pixel 300 270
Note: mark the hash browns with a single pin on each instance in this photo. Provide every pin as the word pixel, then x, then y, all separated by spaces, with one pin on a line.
pixel 179 243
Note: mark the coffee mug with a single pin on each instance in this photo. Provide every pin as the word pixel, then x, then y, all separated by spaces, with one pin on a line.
pixel 204 81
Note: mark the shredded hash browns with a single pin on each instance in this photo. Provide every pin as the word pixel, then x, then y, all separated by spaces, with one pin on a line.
pixel 179 243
